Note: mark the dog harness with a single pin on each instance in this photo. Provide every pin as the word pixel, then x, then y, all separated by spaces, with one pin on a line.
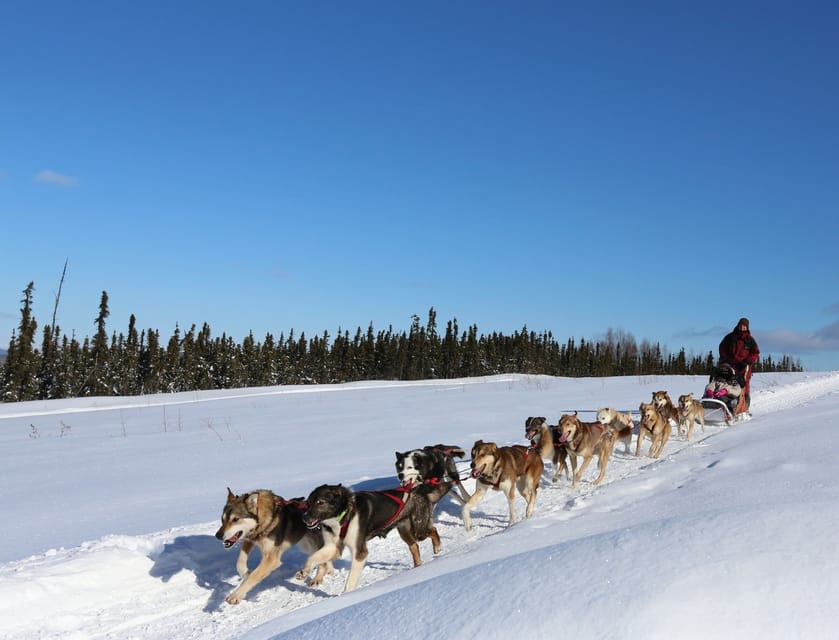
pixel 399 496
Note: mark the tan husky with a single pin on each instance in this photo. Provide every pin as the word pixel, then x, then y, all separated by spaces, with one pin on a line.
pixel 504 469
pixel 665 406
pixel 654 425
pixel 690 410
pixel 586 440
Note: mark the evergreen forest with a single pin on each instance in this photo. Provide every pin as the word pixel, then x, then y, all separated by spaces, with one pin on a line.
pixel 142 362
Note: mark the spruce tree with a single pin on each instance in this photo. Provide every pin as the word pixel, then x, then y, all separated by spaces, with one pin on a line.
pixel 48 375
pixel 21 361
pixel 99 367
pixel 129 370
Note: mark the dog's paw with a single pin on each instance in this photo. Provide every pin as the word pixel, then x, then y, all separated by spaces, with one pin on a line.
pixel 300 575
pixel 233 598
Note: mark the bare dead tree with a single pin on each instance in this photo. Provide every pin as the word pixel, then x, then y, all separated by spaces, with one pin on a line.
pixel 57 298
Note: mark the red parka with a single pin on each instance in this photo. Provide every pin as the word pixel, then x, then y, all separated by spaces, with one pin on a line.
pixel 739 349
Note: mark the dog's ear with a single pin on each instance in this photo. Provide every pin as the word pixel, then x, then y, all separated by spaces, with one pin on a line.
pixel 230 496
pixel 252 502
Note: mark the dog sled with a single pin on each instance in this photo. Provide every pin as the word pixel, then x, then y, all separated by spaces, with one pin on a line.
pixel 723 399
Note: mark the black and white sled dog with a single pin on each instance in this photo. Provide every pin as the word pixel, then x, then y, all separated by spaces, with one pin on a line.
pixel 431 464
pixel 349 519
pixel 265 520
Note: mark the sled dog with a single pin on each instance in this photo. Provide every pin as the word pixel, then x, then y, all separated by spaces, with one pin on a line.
pixel 350 518
pixel 690 410
pixel 431 464
pixel 586 440
pixel 265 520
pixel 665 406
pixel 544 441
pixel 654 425
pixel 504 469
pixel 621 422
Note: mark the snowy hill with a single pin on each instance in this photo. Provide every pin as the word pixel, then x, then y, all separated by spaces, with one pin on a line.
pixel 111 505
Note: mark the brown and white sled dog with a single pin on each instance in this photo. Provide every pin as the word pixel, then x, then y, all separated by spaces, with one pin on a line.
pixel 544 441
pixel 349 519
pixel 665 406
pixel 690 410
pixel 504 469
pixel 431 464
pixel 656 426
pixel 265 520
pixel 586 440
pixel 621 422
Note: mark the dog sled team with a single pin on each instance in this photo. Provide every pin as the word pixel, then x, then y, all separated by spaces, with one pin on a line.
pixel 334 517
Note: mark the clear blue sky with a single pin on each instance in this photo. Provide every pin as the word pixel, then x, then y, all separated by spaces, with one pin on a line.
pixel 657 168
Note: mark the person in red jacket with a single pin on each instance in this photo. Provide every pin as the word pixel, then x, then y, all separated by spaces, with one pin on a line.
pixel 740 350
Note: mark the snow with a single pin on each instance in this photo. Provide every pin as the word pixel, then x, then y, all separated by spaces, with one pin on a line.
pixel 111 505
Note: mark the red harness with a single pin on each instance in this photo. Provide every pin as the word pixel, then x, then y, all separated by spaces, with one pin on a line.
pixel 398 495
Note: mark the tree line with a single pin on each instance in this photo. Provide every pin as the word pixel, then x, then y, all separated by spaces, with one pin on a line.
pixel 140 362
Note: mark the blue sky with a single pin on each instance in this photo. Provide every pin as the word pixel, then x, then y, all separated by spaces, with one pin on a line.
pixel 660 169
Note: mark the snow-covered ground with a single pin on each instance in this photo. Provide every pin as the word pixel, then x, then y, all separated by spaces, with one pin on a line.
pixel 110 506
